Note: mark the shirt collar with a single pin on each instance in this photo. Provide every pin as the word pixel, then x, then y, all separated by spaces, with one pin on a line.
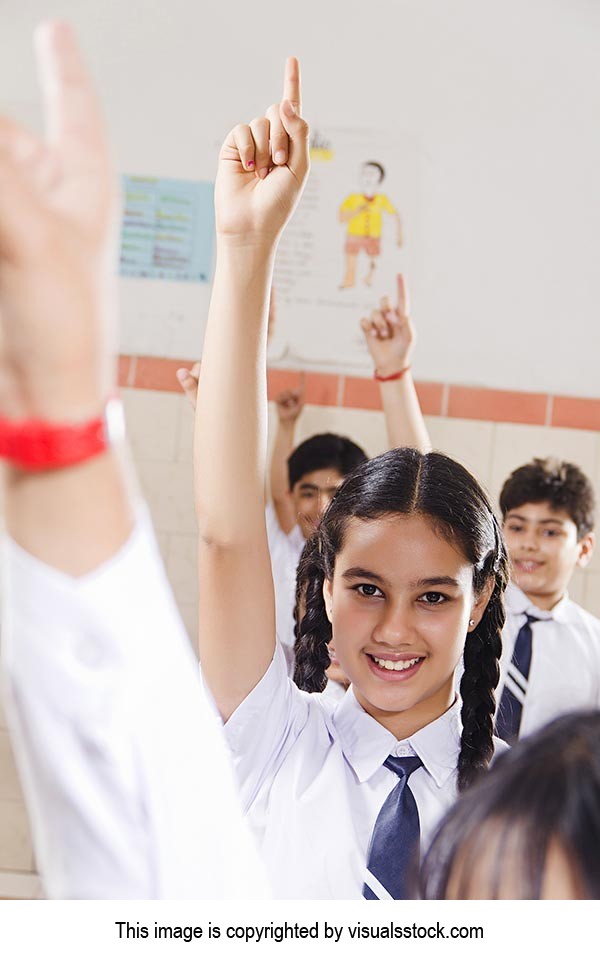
pixel 517 603
pixel 366 744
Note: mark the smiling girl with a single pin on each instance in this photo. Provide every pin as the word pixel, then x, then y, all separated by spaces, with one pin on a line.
pixel 405 573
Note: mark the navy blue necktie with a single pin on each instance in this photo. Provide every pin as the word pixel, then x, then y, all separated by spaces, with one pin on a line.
pixel 510 709
pixel 394 847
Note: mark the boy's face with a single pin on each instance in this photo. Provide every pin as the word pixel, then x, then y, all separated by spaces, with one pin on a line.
pixel 312 495
pixel 544 551
pixel 370 178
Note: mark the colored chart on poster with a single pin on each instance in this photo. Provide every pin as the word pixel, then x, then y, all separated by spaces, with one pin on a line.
pixel 168 229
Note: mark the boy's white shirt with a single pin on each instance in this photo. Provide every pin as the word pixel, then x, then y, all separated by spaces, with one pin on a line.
pixel 565 666
pixel 285 550
pixel 124 768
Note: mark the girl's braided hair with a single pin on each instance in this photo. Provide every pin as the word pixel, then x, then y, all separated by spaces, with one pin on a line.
pixel 404 481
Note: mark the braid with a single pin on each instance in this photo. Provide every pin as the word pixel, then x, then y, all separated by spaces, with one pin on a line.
pixel 480 678
pixel 312 629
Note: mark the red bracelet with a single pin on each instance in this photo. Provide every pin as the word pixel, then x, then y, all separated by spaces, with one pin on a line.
pixel 391 377
pixel 36 445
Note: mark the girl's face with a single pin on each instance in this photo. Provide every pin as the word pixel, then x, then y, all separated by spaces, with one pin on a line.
pixel 400 602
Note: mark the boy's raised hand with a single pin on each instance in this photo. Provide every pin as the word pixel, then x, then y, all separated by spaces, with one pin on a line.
pixel 390 334
pixel 289 405
pixel 57 219
pixel 262 170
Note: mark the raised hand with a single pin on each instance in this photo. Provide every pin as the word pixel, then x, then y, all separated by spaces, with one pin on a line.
pixel 289 405
pixel 390 334
pixel 57 241
pixel 262 169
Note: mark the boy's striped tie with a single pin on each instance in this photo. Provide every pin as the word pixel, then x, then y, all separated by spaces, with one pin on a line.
pixel 394 847
pixel 510 709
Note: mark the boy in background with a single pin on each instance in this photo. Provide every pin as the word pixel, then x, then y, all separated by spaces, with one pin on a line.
pixel 551 646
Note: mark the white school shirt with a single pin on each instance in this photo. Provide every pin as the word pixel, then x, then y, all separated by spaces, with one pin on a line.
pixel 312 782
pixel 123 764
pixel 285 550
pixel 565 663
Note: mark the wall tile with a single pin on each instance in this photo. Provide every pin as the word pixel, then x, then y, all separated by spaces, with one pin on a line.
pixel 578 586
pixel 361 392
pixel 469 442
pixel 321 388
pixel 20 885
pixel 591 599
pixel 10 788
pixel 168 488
pixel 15 843
pixel 430 397
pixel 152 423
pixel 182 567
pixel 3 721
pixel 185 432
pixel 484 404
pixel 366 428
pixel 282 380
pixel 576 412
pixel 159 373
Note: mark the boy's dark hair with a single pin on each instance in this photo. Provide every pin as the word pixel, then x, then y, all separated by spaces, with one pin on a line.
pixel 562 484
pixel 324 451
pixel 380 167
pixel 544 791
pixel 406 482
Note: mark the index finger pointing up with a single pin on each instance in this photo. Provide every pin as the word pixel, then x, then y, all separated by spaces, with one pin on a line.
pixel 72 112
pixel 403 299
pixel 291 84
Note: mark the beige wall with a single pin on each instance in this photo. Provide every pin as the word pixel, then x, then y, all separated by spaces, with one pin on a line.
pixel 160 429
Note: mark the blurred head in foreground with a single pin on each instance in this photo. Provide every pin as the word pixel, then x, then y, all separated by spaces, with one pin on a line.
pixel 530 829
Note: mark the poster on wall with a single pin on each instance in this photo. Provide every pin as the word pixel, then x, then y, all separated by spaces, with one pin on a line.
pixel 167 229
pixel 345 245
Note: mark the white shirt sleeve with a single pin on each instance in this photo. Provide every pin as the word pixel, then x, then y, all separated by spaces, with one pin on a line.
pixel 265 727
pixel 123 763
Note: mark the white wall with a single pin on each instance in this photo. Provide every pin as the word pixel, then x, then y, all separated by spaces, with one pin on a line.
pixel 502 98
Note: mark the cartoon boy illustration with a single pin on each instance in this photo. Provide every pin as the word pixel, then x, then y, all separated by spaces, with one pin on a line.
pixel 363 214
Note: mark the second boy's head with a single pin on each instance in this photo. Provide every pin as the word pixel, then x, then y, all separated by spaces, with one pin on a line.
pixel 316 468
pixel 371 176
pixel 548 511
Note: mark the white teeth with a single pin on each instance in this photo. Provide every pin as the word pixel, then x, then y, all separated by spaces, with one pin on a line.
pixel 395 665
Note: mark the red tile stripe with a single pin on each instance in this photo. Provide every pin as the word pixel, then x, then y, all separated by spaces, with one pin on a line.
pixel 332 390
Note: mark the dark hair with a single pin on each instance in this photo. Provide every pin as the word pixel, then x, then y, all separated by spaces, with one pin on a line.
pixel 404 481
pixel 543 791
pixel 562 484
pixel 324 451
pixel 380 168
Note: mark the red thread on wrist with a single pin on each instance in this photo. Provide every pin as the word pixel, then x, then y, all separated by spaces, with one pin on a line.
pixel 391 377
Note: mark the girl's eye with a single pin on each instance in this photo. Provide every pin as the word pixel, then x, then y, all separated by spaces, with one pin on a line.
pixel 368 591
pixel 550 532
pixel 433 598
pixel 515 528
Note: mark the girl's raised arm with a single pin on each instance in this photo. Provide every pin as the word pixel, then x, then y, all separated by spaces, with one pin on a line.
pixel 262 170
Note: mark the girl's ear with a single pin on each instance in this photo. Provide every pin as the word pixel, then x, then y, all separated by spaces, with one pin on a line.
pixel 481 603
pixel 328 597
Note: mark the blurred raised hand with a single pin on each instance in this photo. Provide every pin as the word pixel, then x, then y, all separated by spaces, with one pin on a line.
pixel 58 205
